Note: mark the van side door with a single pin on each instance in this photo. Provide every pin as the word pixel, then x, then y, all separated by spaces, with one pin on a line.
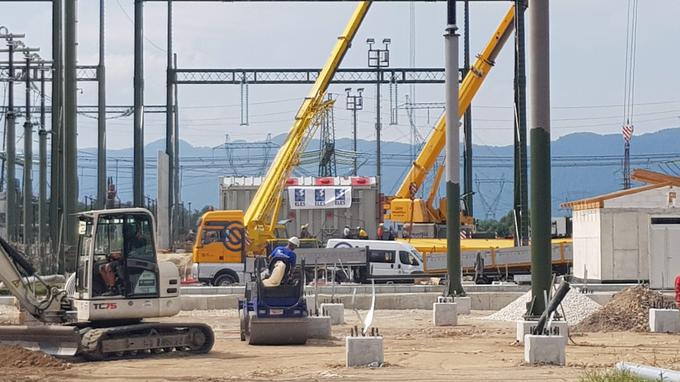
pixel 382 262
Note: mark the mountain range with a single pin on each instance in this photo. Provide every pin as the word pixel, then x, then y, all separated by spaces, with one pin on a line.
pixel 584 164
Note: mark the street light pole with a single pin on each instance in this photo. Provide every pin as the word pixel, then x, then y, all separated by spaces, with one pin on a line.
pixel 355 103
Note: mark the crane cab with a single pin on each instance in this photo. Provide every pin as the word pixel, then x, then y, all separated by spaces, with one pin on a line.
pixel 118 275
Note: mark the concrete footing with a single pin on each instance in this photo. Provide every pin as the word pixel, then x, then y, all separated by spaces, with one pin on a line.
pixel 557 328
pixel 319 327
pixel 664 320
pixel 545 350
pixel 364 351
pixel 464 304
pixel 445 314
pixel 335 311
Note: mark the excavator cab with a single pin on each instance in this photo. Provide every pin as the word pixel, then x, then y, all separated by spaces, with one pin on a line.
pixel 117 272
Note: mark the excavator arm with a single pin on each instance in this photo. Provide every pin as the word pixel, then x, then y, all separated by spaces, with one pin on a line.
pixel 428 155
pixel 17 275
pixel 264 207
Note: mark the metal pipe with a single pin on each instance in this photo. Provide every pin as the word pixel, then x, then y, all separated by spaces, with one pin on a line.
pixel 170 129
pixel 648 372
pixel 101 109
pixel 70 137
pixel 138 84
pixel 455 286
pixel 378 127
pixel 28 163
pixel 56 164
pixel 11 149
pixel 539 50
pixel 354 140
pixel 46 266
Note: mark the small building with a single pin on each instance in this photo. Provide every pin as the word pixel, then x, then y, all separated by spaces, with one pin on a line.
pixel 629 235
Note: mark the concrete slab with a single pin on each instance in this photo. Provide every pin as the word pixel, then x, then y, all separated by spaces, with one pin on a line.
pixel 319 327
pixel 557 328
pixel 464 304
pixel 335 311
pixel 664 320
pixel 545 350
pixel 445 314
pixel 364 351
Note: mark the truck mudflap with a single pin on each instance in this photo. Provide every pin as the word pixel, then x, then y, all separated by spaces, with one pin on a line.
pixel 57 340
pixel 139 340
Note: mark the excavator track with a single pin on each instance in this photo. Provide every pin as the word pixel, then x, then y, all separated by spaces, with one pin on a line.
pixel 141 340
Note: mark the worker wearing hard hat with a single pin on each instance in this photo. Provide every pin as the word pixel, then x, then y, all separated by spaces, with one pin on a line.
pixel 280 259
pixel 363 235
pixel 304 232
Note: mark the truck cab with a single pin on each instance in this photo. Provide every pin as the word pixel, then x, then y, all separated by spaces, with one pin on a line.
pixel 385 258
pixel 219 250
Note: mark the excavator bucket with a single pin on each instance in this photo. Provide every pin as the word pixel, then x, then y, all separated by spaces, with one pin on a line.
pixel 62 341
pixel 277 331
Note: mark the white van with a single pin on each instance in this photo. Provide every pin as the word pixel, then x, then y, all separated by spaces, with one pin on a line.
pixel 386 258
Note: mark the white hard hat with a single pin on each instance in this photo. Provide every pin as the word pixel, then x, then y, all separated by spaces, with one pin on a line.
pixel 295 241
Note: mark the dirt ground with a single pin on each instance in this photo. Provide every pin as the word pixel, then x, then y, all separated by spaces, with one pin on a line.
pixel 475 350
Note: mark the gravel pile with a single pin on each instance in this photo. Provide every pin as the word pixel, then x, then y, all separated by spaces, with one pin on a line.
pixel 628 310
pixel 576 306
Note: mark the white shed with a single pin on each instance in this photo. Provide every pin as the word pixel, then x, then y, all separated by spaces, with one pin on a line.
pixel 611 235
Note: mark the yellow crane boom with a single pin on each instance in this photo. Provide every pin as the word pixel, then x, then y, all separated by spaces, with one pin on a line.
pixel 261 215
pixel 400 206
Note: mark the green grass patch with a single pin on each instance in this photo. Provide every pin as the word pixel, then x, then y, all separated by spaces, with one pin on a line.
pixel 610 376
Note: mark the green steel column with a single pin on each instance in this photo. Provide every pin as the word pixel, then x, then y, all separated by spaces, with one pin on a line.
pixel 452 154
pixel 70 132
pixel 56 163
pixel 467 123
pixel 170 130
pixel 521 205
pixel 11 214
pixel 101 108
pixel 28 163
pixel 138 130
pixel 539 75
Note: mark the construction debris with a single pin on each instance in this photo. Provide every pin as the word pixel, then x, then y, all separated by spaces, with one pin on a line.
pixel 627 310
pixel 576 307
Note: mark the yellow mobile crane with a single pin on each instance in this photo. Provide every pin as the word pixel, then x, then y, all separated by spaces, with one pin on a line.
pixel 260 218
pixel 404 206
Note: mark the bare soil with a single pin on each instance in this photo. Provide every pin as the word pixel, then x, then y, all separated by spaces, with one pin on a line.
pixel 628 310
pixel 476 350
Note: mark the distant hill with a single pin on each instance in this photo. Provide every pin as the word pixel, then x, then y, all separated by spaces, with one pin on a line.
pixel 584 164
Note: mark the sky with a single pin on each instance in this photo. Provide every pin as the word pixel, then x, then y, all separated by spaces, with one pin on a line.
pixel 588 41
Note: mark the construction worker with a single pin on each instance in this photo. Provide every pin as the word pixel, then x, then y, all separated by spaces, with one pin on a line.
pixel 346 233
pixel 281 258
pixel 380 231
pixel 363 235
pixel 304 232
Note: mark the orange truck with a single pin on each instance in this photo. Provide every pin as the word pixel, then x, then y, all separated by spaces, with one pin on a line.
pixel 219 251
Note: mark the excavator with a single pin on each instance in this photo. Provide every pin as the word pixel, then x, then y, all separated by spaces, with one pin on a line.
pixel 405 207
pixel 101 312
pixel 276 315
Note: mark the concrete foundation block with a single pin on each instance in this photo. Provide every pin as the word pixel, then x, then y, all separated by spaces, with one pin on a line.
pixel 445 314
pixel 557 328
pixel 319 327
pixel 335 311
pixel 664 320
pixel 364 351
pixel 545 350
pixel 464 304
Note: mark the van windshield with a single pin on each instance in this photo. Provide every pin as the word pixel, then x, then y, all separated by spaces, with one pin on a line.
pixel 417 254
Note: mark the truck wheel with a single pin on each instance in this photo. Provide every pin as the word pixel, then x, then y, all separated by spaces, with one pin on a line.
pixel 224 280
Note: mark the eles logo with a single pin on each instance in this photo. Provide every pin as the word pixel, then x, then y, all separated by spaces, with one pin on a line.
pixel 106 306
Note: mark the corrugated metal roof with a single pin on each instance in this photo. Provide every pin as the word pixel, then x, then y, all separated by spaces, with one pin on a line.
pixel 598 201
